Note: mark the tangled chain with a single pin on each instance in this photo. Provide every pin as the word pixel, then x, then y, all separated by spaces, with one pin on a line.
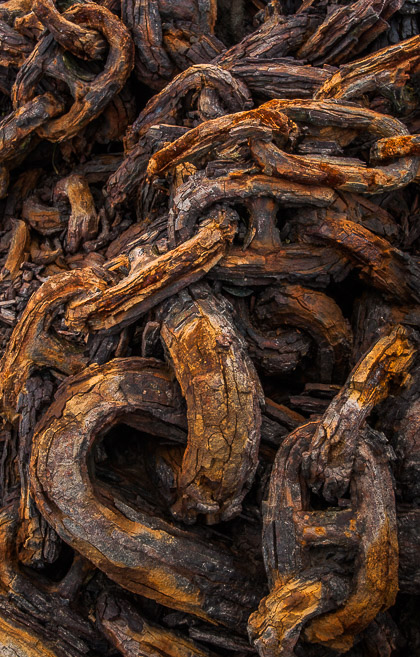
pixel 212 333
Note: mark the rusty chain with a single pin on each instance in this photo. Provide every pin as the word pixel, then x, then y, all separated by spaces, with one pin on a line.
pixel 208 193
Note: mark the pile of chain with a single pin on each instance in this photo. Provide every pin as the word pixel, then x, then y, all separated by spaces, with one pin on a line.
pixel 209 328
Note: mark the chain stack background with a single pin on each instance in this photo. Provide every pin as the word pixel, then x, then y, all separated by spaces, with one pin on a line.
pixel 209 328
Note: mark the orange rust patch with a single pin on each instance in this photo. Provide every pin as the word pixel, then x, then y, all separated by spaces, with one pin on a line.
pixel 320 531
pixel 375 590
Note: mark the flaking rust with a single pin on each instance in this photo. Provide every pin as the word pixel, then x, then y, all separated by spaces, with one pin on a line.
pixel 209 328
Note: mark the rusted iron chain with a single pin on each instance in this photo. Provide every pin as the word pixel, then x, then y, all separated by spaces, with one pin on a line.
pixel 90 96
pixel 291 526
pixel 368 527
pixel 137 390
pixel 77 40
pixel 209 324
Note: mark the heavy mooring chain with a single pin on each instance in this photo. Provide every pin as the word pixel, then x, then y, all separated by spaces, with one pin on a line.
pixel 363 523
pixel 227 313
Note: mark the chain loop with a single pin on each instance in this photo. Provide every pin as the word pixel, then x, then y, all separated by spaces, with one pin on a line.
pixel 91 95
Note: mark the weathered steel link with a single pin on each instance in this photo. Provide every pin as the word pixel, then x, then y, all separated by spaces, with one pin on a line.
pixel 90 97
pixel 138 392
pixel 291 529
pixel 151 280
pixel 74 38
pixel 314 312
pixel 192 24
pixel 220 461
pixel 132 634
pixel 388 67
pixel 233 93
pixel 329 460
pixel 16 128
pixel 30 345
pixel 365 524
pixel 344 176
